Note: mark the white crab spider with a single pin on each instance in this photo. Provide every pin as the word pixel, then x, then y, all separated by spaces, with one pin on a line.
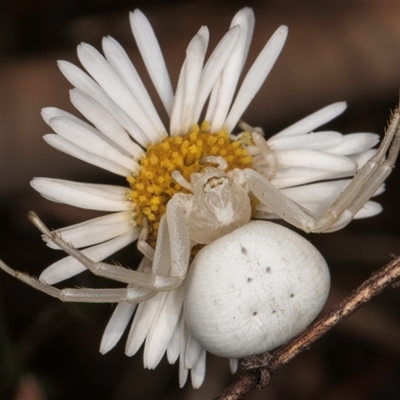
pixel 217 211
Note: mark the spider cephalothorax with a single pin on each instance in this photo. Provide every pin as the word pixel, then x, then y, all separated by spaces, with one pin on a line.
pixel 217 205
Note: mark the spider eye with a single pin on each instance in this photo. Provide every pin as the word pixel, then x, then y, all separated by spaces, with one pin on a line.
pixel 215 181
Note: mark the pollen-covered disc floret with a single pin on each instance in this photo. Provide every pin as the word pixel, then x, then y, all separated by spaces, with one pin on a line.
pixel 154 186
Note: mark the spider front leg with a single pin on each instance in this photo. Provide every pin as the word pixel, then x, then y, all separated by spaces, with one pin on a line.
pixel 167 272
pixel 365 183
pixel 362 187
pixel 131 294
pixel 266 152
pixel 105 270
pixel 177 227
pixel 141 285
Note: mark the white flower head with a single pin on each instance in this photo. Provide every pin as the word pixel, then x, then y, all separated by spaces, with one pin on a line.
pixel 126 136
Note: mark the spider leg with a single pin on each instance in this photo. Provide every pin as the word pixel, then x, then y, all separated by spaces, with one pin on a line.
pixel 179 237
pixel 275 200
pixel 110 271
pixel 265 150
pixel 267 153
pixel 365 183
pixel 172 252
pixel 131 294
pixel 142 244
pixel 362 187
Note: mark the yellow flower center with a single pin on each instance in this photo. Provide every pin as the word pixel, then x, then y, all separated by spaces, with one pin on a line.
pixel 153 186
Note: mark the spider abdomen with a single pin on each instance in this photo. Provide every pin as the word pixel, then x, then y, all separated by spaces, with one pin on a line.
pixel 254 289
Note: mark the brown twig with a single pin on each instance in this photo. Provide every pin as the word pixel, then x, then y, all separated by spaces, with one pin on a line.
pixel 260 368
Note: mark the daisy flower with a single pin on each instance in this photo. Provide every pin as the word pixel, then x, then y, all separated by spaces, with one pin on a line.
pixel 125 135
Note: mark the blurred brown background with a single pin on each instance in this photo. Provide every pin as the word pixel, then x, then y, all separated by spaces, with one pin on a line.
pixel 335 51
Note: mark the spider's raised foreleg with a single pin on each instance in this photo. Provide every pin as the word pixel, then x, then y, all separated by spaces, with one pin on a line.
pixel 365 183
pixel 114 272
pixel 360 189
pixel 275 200
pixel 131 294
pixel 265 150
pixel 178 238
pixel 172 252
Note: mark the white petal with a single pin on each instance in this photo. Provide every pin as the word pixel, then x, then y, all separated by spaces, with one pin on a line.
pixel 86 84
pixel 362 158
pixel 193 351
pixel 314 160
pixel 49 113
pixel 101 71
pixel 314 120
pixel 213 100
pixel 73 150
pixel 69 266
pixel 256 76
pixel 245 17
pixel 311 141
pixel 145 315
pixel 188 83
pixel 354 143
pixel 183 374
pixel 116 326
pixel 198 371
pixel 369 209
pixel 173 347
pixel 183 371
pixel 286 177
pixel 121 317
pixel 123 66
pixel 105 122
pixel 83 195
pixel 233 364
pixel 96 230
pixel 162 329
pixel 213 68
pixel 152 58
pixel 324 192
pixel 226 85
pixel 175 122
pixel 91 142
